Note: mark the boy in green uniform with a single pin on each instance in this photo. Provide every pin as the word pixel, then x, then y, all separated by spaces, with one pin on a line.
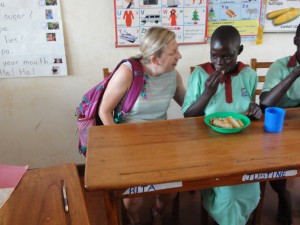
pixel 225 85
pixel 281 89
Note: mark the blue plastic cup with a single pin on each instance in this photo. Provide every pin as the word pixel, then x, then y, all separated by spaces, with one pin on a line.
pixel 274 118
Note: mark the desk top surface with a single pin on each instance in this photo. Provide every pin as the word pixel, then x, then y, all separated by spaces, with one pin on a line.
pixel 37 200
pixel 127 155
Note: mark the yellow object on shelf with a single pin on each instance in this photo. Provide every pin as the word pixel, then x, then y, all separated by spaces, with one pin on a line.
pixel 260 35
pixel 260 30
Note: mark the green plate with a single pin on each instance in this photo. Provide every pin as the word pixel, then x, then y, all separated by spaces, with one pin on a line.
pixel 242 117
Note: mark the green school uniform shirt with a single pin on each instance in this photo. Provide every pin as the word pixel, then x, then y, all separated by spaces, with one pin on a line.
pixel 243 84
pixel 227 205
pixel 279 70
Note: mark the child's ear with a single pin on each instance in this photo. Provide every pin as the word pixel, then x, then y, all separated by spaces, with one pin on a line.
pixel 296 40
pixel 241 48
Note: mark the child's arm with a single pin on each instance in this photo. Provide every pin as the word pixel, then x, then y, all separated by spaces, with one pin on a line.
pixel 211 86
pixel 273 97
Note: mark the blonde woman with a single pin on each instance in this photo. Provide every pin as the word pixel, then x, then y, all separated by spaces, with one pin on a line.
pixel 159 57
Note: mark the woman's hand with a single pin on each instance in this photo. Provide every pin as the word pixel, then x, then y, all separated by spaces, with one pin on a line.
pixel 254 111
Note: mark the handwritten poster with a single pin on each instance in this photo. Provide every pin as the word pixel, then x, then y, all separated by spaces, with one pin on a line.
pixel 242 14
pixel 282 15
pixel 187 18
pixel 31 39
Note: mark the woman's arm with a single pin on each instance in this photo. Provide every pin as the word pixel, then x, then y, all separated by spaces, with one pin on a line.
pixel 115 91
pixel 180 90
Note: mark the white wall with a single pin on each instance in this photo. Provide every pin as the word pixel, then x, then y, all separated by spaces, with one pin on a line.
pixel 37 114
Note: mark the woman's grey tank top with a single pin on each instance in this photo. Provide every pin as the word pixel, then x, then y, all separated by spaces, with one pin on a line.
pixel 154 100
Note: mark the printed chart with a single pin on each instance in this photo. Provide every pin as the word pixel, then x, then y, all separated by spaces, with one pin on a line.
pixel 282 16
pixel 187 18
pixel 242 14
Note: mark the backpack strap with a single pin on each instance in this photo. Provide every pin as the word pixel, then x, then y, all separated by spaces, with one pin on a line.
pixel 117 67
pixel 136 86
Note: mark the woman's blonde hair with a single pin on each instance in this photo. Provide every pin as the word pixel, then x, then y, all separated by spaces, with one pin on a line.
pixel 154 41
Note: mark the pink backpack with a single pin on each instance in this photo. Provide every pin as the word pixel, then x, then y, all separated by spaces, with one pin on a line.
pixel 87 111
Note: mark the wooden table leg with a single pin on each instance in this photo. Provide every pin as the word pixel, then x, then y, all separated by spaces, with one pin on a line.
pixel 111 208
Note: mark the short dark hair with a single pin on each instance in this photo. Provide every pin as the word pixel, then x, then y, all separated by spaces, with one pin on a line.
pixel 227 33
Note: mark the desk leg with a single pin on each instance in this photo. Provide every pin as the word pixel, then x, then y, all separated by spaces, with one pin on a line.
pixel 111 208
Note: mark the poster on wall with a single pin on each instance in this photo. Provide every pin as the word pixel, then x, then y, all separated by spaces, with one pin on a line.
pixel 31 39
pixel 245 15
pixel 187 18
pixel 282 15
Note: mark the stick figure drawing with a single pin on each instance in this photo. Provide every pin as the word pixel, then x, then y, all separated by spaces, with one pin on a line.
pixel 173 17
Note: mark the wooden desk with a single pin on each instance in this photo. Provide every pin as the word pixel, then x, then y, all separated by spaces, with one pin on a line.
pixel 37 200
pixel 188 151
